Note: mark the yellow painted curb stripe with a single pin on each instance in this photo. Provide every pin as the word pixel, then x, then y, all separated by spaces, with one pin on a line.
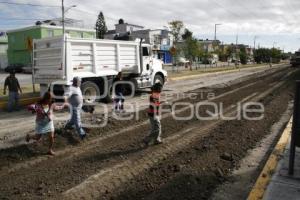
pixel 22 102
pixel 265 176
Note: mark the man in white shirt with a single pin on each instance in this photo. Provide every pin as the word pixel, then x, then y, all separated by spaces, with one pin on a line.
pixel 75 100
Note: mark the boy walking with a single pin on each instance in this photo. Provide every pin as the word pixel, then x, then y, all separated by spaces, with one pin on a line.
pixel 154 116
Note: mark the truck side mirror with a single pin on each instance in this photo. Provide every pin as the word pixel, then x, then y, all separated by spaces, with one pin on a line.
pixel 147 66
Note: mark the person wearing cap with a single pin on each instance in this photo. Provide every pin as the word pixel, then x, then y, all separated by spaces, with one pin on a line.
pixel 13 88
pixel 75 99
pixel 154 136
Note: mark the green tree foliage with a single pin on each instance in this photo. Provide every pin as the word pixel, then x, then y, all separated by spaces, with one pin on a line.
pixel 101 27
pixel 264 55
pixel 176 27
pixel 187 34
pixel 243 55
pixel 191 48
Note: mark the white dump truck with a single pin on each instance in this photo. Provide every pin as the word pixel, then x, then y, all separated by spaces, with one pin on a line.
pixel 57 60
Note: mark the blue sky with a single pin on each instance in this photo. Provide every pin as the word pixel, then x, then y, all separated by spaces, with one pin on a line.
pixel 272 21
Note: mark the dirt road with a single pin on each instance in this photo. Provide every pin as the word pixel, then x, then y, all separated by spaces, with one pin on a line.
pixel 196 156
pixel 14 126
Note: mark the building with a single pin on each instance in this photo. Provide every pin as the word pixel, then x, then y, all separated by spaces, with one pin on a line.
pixel 20 40
pixel 209 46
pixel 161 40
pixel 3 50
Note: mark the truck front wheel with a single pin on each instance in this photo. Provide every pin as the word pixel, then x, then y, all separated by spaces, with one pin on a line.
pixel 159 78
pixel 90 91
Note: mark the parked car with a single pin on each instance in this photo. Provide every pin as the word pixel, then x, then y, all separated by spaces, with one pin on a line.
pixel 182 61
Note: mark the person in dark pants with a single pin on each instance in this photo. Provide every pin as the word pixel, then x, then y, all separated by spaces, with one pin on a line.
pixel 119 90
pixel 13 87
pixel 154 136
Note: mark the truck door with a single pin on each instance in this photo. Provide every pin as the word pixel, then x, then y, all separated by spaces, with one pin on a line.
pixel 147 62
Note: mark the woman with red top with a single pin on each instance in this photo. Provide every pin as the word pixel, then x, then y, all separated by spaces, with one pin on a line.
pixel 44 119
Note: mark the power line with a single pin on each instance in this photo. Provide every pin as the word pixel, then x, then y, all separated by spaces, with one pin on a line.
pixel 28 4
pixel 22 19
pixel 93 14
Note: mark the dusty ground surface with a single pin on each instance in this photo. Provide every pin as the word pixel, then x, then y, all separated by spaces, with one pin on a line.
pixel 191 170
pixel 14 126
pixel 194 172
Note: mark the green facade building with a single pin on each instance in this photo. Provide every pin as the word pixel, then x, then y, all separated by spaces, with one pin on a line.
pixel 20 40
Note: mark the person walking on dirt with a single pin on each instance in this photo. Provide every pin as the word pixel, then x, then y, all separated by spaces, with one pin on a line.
pixel 13 87
pixel 75 100
pixel 44 120
pixel 154 115
pixel 119 90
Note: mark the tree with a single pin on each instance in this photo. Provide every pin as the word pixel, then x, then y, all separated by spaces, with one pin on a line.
pixel 187 34
pixel 264 55
pixel 243 55
pixel 176 27
pixel 101 27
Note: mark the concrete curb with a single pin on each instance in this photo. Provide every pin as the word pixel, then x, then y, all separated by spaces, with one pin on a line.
pixel 265 176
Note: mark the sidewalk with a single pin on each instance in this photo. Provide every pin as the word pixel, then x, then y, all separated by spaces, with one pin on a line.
pixel 282 186
pixel 274 183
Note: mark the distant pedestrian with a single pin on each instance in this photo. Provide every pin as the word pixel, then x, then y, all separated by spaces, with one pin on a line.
pixel 154 136
pixel 44 119
pixel 13 88
pixel 119 91
pixel 75 99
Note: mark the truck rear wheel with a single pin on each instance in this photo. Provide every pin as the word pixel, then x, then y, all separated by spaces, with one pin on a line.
pixel 90 91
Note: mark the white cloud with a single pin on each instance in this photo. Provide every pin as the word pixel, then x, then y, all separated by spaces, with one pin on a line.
pixel 255 17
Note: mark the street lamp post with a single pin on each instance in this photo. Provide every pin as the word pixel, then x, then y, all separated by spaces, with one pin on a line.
pixel 255 37
pixel 63 16
pixel 63 12
pixel 216 31
pixel 215 39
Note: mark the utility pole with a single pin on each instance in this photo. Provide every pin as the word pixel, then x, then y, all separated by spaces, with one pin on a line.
pixel 63 16
pixel 236 50
pixel 215 39
pixel 216 31
pixel 255 37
